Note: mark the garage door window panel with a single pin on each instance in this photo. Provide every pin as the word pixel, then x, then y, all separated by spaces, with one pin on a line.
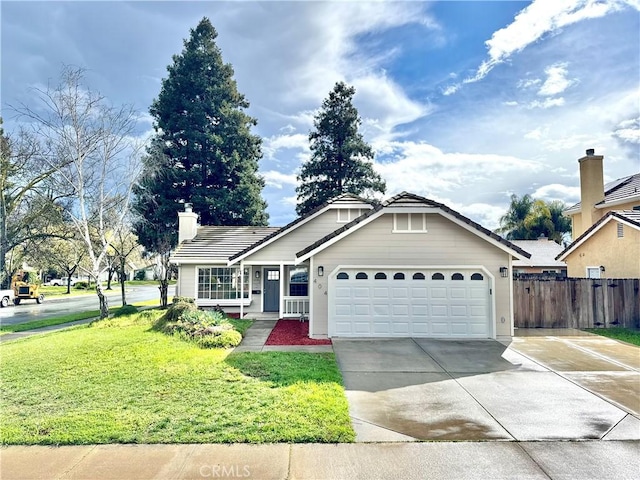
pixel 380 276
pixel 437 276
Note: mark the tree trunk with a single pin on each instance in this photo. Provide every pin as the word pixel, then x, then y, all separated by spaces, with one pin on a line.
pixel 164 290
pixel 104 302
pixel 122 279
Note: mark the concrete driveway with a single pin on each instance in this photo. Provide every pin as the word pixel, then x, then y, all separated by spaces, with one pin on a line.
pixel 537 388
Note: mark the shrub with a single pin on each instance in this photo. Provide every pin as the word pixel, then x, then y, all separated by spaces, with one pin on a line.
pixel 226 339
pixel 125 310
pixel 81 285
pixel 178 299
pixel 207 329
pixel 140 275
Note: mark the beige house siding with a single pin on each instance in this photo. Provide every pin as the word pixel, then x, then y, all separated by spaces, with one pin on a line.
pixel 445 243
pixel 603 248
pixel 284 249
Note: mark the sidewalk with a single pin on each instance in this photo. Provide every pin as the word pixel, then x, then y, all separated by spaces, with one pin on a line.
pixel 441 460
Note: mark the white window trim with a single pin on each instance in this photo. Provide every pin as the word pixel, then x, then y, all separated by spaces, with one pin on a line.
pixel 593 267
pixel 349 217
pixel 232 302
pixel 409 230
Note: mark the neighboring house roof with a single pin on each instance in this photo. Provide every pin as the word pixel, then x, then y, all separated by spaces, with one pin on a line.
pixel 627 217
pixel 543 253
pixel 345 198
pixel 219 243
pixel 619 191
pixel 408 198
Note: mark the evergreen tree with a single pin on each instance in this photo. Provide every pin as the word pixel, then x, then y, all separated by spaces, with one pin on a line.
pixel 208 150
pixel 340 158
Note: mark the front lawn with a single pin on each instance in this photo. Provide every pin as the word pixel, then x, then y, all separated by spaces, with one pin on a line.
pixel 624 334
pixel 118 381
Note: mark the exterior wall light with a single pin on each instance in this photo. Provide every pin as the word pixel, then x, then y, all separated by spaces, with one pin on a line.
pixel 320 271
pixel 257 273
pixel 602 268
pixel 504 272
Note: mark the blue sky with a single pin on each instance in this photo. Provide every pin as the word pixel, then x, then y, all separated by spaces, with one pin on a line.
pixel 464 102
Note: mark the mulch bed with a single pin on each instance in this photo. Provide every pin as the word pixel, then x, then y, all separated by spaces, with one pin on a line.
pixel 293 332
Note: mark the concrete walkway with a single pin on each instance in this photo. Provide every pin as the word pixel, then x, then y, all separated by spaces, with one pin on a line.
pixel 442 460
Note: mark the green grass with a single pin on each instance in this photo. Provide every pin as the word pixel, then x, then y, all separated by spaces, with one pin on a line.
pixel 46 322
pixel 624 334
pixel 120 382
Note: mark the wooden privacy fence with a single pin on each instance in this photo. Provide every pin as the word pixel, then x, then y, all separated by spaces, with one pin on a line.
pixel 576 303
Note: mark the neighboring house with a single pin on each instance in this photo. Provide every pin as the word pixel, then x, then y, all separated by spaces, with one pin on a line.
pixel 409 267
pixel 543 258
pixel 605 225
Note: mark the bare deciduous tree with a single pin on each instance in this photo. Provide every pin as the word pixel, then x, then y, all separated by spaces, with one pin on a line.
pixel 101 161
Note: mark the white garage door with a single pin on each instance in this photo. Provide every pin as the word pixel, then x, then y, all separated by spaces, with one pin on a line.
pixel 409 303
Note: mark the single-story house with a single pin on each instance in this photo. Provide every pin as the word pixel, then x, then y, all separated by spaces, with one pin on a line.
pixel 407 267
pixel 605 224
pixel 543 258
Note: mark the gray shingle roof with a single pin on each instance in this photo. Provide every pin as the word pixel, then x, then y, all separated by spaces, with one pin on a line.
pixel 406 197
pixel 219 243
pixel 543 253
pixel 619 189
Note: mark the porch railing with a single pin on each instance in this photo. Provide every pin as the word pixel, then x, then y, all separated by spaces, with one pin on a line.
pixel 296 306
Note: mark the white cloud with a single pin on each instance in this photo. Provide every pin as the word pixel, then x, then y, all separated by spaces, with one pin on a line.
pixel 547 103
pixel 424 169
pixel 277 179
pixel 273 144
pixel 538 19
pixel 557 81
pixel 628 131
pixel 557 191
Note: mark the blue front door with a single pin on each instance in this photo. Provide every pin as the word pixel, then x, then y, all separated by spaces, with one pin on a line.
pixel 271 290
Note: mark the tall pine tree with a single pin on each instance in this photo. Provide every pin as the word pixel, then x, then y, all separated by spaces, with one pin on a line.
pixel 340 158
pixel 208 153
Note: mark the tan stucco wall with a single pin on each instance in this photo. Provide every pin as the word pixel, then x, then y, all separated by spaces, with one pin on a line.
pixel 619 256
pixel 576 219
pixel 445 243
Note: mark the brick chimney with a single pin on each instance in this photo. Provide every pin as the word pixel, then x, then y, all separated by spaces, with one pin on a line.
pixel 187 224
pixel 591 188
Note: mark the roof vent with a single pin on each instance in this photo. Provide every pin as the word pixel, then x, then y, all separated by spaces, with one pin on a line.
pixel 591 151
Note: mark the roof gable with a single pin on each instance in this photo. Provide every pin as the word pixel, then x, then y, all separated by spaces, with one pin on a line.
pixel 344 199
pixel 404 200
pixel 628 217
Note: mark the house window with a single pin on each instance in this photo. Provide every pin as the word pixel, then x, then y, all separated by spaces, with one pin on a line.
pixel 299 282
pixel 222 283
pixel 410 222
pixel 273 275
pixel 593 272
pixel 346 215
pixel 620 230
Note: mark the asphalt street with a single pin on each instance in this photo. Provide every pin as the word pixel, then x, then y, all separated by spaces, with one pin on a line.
pixel 29 310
